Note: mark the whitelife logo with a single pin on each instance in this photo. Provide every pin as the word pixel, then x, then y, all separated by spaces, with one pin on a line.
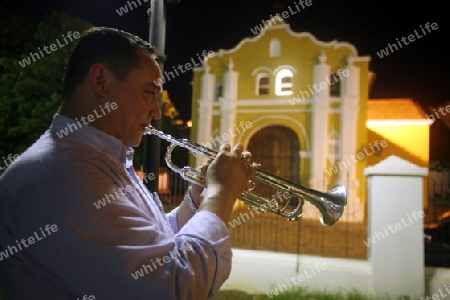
pixel 49 49
pixel 391 48
pixel 174 254
pixel 132 5
pixel 11 250
pixel 319 86
pixel 353 159
pixel 280 16
pixel 181 69
pixel 11 159
pixel 110 197
pixel 379 235
pixel 281 287
pixel 90 118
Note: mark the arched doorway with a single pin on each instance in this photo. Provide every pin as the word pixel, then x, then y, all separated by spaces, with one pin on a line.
pixel 276 148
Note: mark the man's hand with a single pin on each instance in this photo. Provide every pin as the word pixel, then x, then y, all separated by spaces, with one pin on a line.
pixel 226 178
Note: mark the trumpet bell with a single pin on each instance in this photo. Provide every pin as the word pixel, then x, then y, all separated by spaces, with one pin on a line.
pixel 331 208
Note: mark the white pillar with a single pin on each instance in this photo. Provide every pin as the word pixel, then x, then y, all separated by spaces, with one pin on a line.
pixel 395 227
pixel 319 134
pixel 350 94
pixel 205 109
pixel 228 104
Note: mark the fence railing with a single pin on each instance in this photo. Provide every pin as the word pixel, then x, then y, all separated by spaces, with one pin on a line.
pixel 266 231
pixel 250 229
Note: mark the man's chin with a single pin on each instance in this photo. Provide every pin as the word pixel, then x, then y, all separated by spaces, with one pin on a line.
pixel 136 141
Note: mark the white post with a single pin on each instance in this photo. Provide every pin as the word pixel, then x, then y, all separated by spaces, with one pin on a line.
pixel 319 131
pixel 205 109
pixel 395 227
pixel 228 105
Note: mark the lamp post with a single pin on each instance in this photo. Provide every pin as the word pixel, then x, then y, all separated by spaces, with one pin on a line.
pixel 157 36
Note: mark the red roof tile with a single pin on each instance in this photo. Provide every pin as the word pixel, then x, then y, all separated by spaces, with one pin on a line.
pixel 394 109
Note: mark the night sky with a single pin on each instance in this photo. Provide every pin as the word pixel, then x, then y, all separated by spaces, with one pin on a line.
pixel 419 70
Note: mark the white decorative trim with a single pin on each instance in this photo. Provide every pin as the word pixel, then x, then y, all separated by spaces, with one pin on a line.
pixel 281 67
pixel 282 100
pixel 394 165
pixel 333 142
pixel 350 112
pixel 304 154
pixel 228 103
pixel 205 108
pixel 264 111
pixel 274 118
pixel 320 119
pixel 334 43
pixel 335 100
pixel 217 112
pixel 262 69
pixel 319 130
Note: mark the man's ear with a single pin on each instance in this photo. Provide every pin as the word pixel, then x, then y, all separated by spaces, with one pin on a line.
pixel 98 75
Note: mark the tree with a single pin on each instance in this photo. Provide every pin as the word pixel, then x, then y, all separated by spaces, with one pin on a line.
pixel 31 93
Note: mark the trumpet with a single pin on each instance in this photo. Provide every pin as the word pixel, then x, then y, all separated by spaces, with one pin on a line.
pixel 330 204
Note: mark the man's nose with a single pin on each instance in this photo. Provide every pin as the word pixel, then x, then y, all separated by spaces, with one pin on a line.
pixel 155 112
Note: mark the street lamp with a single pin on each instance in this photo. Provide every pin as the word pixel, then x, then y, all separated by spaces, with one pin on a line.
pixel 157 36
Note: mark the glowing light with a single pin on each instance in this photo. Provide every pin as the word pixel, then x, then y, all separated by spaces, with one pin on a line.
pixel 283 82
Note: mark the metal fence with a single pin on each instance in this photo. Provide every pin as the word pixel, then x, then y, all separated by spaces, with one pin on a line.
pixel 251 229
pixel 437 221
pixel 267 231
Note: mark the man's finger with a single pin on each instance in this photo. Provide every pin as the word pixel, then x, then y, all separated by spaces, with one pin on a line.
pixel 238 149
pixel 225 148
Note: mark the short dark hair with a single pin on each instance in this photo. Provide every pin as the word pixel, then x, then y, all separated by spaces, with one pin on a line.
pixel 115 48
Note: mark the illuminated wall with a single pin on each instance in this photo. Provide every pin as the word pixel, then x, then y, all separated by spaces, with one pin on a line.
pixel 411 142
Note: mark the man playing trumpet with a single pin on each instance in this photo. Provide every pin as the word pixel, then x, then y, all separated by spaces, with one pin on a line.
pixel 103 251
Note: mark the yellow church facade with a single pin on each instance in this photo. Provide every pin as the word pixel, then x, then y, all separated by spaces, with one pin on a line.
pixel 298 104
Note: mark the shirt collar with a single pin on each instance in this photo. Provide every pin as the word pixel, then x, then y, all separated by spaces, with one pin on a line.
pixel 97 138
